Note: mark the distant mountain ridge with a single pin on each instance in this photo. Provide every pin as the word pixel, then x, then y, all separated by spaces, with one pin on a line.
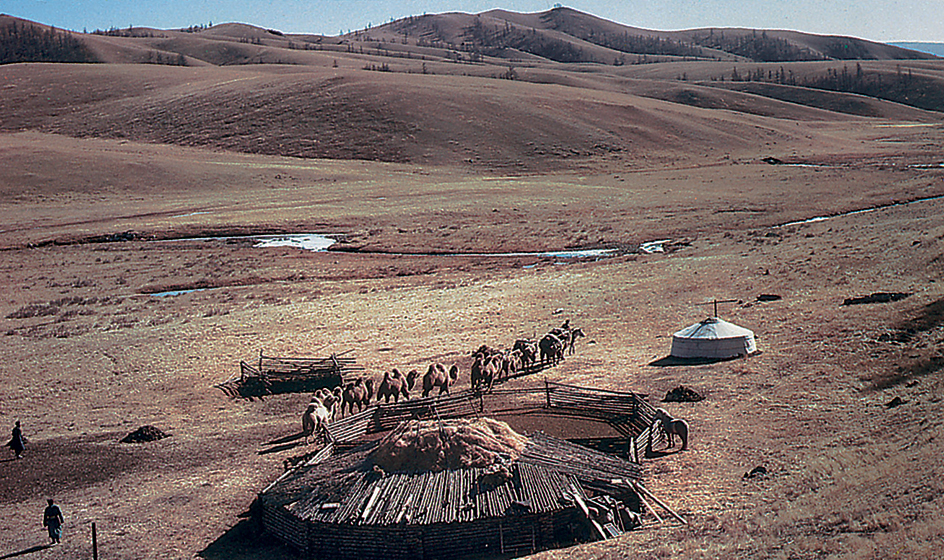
pixel 497 89
pixel 567 35
pixel 559 35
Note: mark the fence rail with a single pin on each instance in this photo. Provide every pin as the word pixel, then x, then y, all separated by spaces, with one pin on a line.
pixel 630 414
pixel 278 374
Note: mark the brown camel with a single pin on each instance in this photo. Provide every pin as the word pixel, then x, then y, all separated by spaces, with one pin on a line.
pixel 485 371
pixel 357 393
pixel 436 376
pixel 552 349
pixel 529 352
pixel 394 385
pixel 478 371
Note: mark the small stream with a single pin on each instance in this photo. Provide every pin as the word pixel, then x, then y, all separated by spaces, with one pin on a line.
pixel 861 211
pixel 322 242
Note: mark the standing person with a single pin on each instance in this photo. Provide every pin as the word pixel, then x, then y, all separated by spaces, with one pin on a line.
pixel 17 443
pixel 52 520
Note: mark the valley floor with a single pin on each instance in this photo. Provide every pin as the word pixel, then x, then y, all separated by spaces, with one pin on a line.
pixel 89 355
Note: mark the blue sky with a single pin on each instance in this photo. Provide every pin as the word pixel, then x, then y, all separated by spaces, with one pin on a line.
pixel 904 20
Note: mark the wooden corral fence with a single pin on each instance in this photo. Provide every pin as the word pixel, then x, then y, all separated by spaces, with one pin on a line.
pixel 335 506
pixel 274 374
pixel 630 414
pixel 326 508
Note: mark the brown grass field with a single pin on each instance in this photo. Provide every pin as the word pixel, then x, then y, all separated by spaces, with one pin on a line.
pixel 399 162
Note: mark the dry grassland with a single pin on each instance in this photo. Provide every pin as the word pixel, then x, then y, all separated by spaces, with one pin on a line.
pixel 88 355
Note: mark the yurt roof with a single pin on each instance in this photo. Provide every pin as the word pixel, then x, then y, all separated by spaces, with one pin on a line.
pixel 713 328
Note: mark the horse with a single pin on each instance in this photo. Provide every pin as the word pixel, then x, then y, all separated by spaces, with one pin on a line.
pixel 673 427
pixel 574 335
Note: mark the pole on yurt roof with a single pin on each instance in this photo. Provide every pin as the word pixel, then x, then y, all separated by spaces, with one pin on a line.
pixel 715 303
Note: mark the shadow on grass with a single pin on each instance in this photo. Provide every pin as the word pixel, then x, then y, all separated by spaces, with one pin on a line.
pixel 904 375
pixel 650 454
pixel 930 317
pixel 669 361
pixel 247 541
pixel 285 443
pixel 26 551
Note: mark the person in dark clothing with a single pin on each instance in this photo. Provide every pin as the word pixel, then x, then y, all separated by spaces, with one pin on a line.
pixel 53 521
pixel 17 443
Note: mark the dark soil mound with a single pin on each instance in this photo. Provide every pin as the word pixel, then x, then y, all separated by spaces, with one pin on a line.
pixel 682 394
pixel 144 434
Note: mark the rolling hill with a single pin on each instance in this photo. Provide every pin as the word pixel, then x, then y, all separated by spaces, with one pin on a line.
pixel 497 89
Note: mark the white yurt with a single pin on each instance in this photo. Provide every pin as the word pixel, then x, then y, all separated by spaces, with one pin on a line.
pixel 713 338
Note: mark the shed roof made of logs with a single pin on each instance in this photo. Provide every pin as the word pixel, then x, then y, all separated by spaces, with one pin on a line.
pixel 346 489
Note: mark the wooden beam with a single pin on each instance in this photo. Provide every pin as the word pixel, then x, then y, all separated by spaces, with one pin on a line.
pixel 652 497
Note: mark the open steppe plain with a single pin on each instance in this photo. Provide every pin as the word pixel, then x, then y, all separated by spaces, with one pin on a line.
pixel 91 227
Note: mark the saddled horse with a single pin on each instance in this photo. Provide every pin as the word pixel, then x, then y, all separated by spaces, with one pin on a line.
pixel 572 339
pixel 673 427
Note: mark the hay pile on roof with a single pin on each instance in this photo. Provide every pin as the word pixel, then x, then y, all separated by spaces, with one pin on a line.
pixel 455 444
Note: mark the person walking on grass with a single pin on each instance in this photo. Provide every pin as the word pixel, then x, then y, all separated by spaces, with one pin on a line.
pixel 17 443
pixel 53 521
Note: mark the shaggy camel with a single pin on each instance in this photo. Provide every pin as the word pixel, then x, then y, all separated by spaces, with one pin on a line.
pixel 485 371
pixel 512 363
pixel 357 393
pixel 529 352
pixel 436 376
pixel 552 349
pixel 394 385
pixel 673 427
pixel 315 420
pixel 331 399
pixel 493 371
pixel 478 371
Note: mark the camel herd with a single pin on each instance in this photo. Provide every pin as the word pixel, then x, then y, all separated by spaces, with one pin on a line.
pixel 489 366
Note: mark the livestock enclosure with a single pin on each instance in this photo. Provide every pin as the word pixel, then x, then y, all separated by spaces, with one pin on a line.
pixel 340 502
pixel 274 375
pixel 629 414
